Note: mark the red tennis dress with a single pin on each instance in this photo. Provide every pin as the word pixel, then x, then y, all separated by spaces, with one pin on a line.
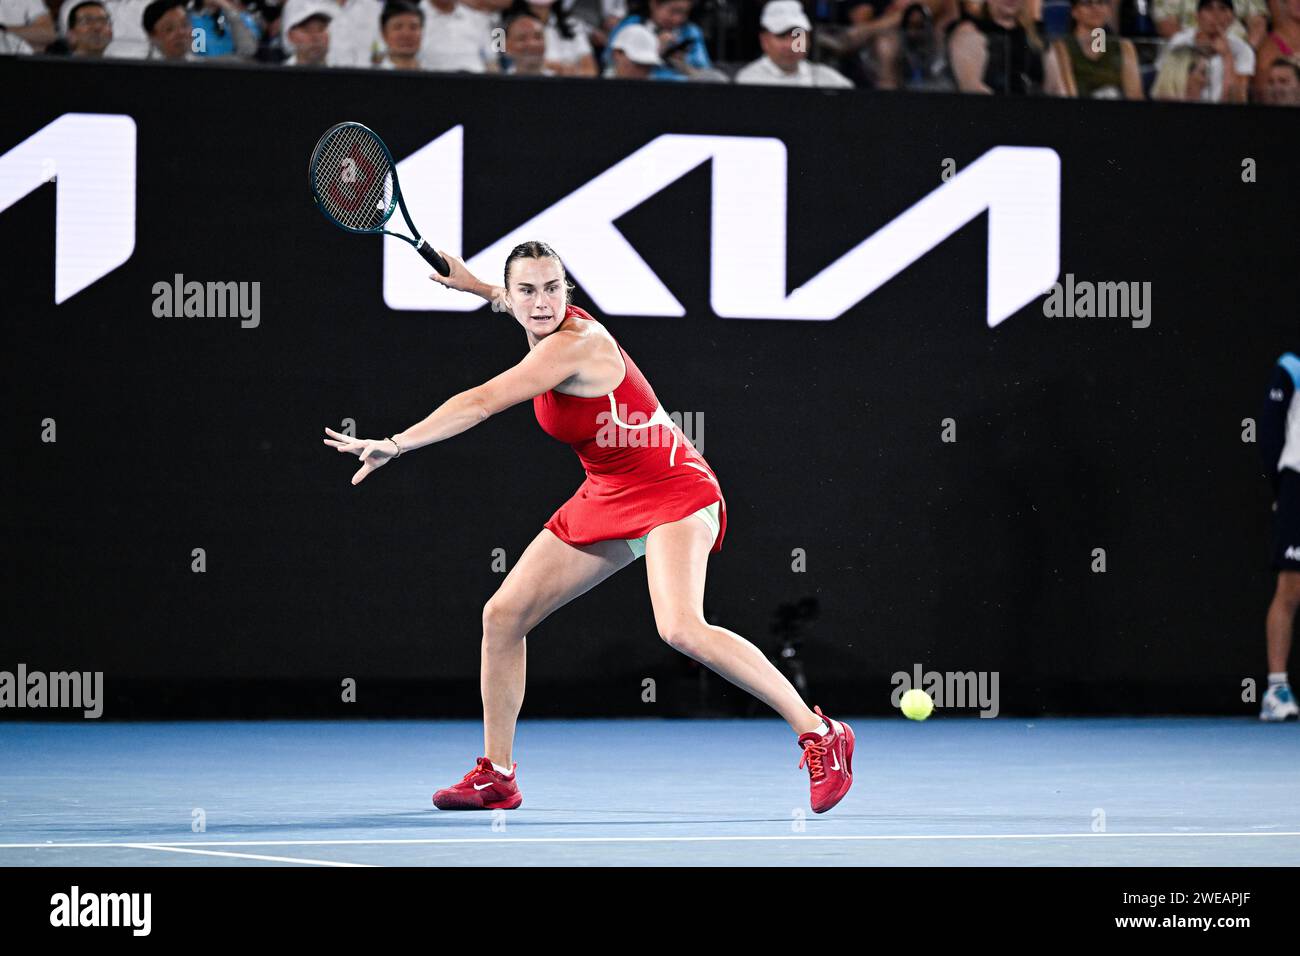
pixel 641 469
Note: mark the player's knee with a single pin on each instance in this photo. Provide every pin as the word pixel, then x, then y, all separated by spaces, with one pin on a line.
pixel 683 634
pixel 501 621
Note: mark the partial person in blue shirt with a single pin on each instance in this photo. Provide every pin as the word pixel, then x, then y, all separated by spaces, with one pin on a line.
pixel 223 28
pixel 681 43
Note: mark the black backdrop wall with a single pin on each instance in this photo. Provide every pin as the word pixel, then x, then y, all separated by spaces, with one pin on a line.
pixel 1072 433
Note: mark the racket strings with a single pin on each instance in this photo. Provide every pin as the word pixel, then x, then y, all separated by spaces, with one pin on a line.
pixel 354 179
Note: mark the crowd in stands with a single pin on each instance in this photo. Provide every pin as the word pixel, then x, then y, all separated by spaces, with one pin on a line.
pixel 1212 51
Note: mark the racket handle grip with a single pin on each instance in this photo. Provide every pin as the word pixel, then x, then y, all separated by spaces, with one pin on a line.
pixel 431 256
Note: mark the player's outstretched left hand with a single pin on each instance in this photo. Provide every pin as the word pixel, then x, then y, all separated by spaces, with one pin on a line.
pixel 374 453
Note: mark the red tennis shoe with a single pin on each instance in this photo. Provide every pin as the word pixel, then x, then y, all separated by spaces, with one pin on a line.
pixel 483 788
pixel 829 759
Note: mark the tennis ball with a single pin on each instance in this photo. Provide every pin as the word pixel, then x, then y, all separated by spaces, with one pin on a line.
pixel 917 704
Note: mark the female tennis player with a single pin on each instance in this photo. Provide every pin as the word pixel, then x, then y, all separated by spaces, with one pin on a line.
pixel 652 495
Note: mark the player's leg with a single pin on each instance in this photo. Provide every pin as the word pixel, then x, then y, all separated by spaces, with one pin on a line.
pixel 677 558
pixel 548 575
pixel 1279 701
pixel 1281 619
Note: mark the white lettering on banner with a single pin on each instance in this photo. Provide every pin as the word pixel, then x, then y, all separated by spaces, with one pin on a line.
pixel 92 159
pixel 1018 186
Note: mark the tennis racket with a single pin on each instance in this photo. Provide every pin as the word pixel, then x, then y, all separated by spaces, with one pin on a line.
pixel 354 182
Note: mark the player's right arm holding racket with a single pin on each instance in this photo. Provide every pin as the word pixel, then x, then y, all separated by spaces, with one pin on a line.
pixel 462 280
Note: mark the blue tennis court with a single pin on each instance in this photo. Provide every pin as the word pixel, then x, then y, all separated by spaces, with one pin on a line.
pixel 1088 792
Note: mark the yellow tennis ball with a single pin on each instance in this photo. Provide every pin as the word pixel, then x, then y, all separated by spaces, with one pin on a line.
pixel 916 704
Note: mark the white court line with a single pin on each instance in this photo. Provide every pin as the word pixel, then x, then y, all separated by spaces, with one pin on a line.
pixel 660 839
pixel 241 856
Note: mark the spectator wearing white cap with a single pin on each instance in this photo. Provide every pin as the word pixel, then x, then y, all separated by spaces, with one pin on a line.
pixel 681 42
pixel 635 55
pixel 784 36
pixel 456 36
pixel 354 32
pixel 306 27
pixel 26 22
pixel 87 27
